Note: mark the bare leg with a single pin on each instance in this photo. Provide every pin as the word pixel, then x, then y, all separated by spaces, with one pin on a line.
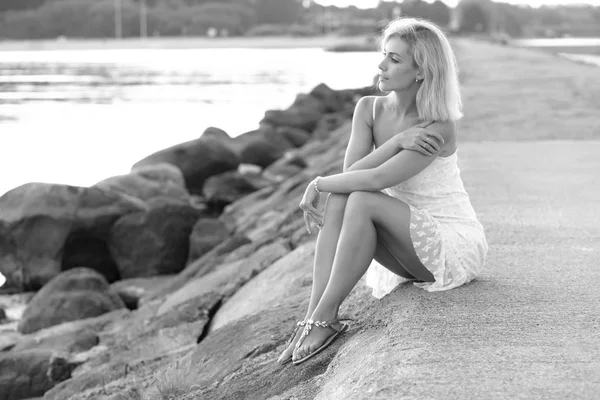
pixel 324 255
pixel 365 212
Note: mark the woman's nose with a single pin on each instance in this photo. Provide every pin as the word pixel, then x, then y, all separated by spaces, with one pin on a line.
pixel 381 65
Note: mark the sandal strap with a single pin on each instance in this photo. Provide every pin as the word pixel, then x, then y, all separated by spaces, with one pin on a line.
pixel 298 325
pixel 322 324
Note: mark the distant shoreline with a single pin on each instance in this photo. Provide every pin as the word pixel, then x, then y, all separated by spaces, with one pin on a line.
pixel 270 42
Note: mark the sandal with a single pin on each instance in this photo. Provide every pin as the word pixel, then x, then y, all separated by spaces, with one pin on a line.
pixel 298 325
pixel 328 341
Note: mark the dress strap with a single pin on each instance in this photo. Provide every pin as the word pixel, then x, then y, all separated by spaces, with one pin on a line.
pixel 374 105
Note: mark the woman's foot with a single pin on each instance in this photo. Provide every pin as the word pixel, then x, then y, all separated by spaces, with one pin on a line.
pixel 286 356
pixel 316 337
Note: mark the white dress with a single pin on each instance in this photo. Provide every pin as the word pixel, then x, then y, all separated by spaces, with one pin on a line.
pixel 446 235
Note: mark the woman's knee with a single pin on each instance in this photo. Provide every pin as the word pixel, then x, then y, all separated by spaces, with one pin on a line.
pixel 358 200
pixel 336 202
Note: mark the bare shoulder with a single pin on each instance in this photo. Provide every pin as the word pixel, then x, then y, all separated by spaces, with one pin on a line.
pixel 447 129
pixel 364 109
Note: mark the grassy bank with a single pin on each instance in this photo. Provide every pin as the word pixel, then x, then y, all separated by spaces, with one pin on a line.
pixel 183 43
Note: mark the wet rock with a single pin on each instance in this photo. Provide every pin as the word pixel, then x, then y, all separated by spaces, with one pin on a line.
pixel 153 242
pixel 75 294
pixel 197 159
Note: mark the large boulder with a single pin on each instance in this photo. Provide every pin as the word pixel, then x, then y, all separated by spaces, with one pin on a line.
pixel 228 187
pixel 296 117
pixel 74 294
pixel 38 219
pixel 296 136
pixel 197 159
pixel 30 373
pixel 333 100
pixel 263 146
pixel 153 242
pixel 149 181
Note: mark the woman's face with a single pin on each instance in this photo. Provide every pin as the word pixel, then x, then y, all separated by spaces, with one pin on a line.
pixel 396 70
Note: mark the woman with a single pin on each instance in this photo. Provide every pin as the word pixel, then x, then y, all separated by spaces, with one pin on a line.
pixel 400 199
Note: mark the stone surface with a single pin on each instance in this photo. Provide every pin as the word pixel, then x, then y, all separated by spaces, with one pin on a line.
pixel 206 234
pixel 38 219
pixel 74 294
pixel 228 187
pixel 153 242
pixel 197 159
pixel 27 374
pixel 229 277
pixel 149 181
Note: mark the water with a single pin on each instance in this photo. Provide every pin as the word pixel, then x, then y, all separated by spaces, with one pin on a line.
pixel 579 49
pixel 79 116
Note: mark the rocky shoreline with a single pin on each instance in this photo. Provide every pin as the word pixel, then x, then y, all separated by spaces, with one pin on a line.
pixel 214 329
pixel 124 278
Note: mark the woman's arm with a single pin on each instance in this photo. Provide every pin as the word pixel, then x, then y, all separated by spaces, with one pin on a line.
pixel 361 138
pixel 399 168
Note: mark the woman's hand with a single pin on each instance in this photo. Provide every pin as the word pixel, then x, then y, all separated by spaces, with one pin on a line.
pixel 309 204
pixel 419 139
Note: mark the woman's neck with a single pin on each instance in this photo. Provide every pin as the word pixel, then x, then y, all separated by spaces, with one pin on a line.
pixel 405 104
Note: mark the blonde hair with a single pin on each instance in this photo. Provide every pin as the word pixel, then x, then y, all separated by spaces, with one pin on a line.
pixel 438 98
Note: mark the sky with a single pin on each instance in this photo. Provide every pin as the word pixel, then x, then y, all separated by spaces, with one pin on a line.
pixel 452 3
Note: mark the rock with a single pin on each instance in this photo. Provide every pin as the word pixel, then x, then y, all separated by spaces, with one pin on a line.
pixel 215 133
pixel 296 117
pixel 38 219
pixel 227 278
pixel 289 276
pixel 74 294
pixel 327 124
pixel 2 314
pixel 199 267
pixel 63 338
pixel 260 152
pixel 153 242
pixel 228 187
pixel 248 364
pixel 31 373
pixel 304 100
pixel 262 146
pixel 287 166
pixel 149 181
pixel 197 159
pixel 206 234
pixel 296 136
pixel 133 289
pixel 334 101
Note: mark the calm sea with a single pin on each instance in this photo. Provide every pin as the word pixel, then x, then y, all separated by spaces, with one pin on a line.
pixel 579 49
pixel 79 116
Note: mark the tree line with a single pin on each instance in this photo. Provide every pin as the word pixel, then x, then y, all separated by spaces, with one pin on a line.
pixel 42 19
